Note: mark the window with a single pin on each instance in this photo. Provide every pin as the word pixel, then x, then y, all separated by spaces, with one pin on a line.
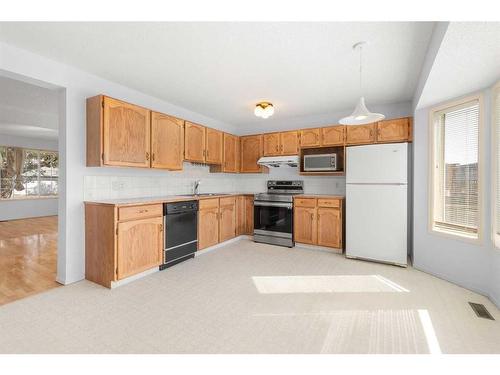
pixel 26 173
pixel 496 163
pixel 455 203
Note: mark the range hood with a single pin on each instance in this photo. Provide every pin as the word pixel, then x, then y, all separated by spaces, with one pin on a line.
pixel 279 161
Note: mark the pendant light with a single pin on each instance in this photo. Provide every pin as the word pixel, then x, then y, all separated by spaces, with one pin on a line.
pixel 361 114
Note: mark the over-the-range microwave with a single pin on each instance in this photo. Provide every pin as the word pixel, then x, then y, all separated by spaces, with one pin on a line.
pixel 320 162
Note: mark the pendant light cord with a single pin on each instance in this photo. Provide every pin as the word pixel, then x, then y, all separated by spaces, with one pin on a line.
pixel 360 70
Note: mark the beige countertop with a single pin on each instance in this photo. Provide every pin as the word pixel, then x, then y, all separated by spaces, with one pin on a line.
pixel 161 199
pixel 181 198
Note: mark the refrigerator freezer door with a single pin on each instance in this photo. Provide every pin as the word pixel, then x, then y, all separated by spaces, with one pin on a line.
pixel 376 222
pixel 378 164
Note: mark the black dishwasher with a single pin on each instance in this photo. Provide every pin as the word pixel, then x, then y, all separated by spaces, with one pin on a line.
pixel 181 232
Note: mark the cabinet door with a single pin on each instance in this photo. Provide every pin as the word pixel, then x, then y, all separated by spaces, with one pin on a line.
pixel 208 227
pixel 230 153
pixel 329 227
pixel 240 215
pixel 248 215
pixel 272 144
pixel 251 151
pixel 332 136
pixel 305 225
pixel 227 223
pixel 194 142
pixel 360 134
pixel 393 130
pixel 140 246
pixel 167 142
pixel 126 137
pixel 309 137
pixel 213 149
pixel 289 143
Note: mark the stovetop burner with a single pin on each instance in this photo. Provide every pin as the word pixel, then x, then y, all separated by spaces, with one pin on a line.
pixel 281 191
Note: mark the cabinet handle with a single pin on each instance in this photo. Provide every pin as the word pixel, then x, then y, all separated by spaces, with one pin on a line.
pixel 312 216
pixel 206 153
pixel 276 147
pixel 143 211
pixel 153 156
pixel 147 155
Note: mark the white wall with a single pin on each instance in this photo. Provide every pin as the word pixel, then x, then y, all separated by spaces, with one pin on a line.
pixel 472 265
pixel 24 208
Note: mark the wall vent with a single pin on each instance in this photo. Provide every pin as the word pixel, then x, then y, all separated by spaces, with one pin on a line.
pixel 481 311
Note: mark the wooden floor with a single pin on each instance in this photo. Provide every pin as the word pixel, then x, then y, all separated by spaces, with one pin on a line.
pixel 28 257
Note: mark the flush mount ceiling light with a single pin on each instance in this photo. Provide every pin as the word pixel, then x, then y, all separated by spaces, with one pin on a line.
pixel 264 109
pixel 361 114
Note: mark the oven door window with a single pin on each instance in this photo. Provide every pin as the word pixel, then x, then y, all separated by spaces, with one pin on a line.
pixel 273 219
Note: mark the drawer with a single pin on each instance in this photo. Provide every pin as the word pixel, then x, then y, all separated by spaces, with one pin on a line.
pixel 139 212
pixel 228 201
pixel 209 203
pixel 324 202
pixel 304 202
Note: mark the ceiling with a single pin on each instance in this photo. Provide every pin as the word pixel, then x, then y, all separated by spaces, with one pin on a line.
pixel 221 70
pixel 468 60
pixel 27 110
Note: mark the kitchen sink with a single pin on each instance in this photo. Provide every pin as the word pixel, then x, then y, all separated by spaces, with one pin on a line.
pixel 204 194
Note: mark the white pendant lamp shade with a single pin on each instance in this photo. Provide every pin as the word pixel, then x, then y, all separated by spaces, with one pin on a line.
pixel 361 115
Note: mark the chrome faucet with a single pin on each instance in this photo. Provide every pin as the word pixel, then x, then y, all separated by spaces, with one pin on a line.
pixel 196 185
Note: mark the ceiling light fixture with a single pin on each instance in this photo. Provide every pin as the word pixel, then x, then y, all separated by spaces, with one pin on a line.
pixel 361 114
pixel 264 109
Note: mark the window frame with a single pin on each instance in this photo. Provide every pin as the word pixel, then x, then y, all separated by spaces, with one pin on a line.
pixel 20 198
pixel 457 235
pixel 495 144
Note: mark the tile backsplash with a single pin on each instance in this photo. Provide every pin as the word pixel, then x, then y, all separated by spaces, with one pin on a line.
pixel 175 183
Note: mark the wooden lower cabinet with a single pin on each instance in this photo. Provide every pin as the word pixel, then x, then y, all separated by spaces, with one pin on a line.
pixel 329 227
pixel 227 218
pixel 121 241
pixel 220 219
pixel 319 221
pixel 140 246
pixel 208 223
pixel 305 225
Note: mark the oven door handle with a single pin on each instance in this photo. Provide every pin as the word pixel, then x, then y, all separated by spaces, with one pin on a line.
pixel 272 204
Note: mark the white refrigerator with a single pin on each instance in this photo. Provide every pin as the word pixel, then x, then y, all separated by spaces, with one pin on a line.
pixel 377 203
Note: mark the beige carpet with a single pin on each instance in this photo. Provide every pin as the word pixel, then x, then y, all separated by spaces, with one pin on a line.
pixel 254 298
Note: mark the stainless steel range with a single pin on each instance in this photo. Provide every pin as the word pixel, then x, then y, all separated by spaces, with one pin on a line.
pixel 273 213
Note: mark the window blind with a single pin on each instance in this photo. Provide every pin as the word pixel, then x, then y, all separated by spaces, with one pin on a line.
pixel 496 127
pixel 456 206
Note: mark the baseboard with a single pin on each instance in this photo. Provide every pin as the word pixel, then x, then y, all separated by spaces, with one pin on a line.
pixel 115 284
pixel 222 244
pixel 317 247
pixel 460 284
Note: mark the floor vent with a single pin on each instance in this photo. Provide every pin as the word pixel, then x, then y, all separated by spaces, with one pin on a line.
pixel 481 311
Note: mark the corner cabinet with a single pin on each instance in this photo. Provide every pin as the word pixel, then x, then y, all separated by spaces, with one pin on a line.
pixel 118 133
pixel 319 221
pixel 122 241
pixel 251 150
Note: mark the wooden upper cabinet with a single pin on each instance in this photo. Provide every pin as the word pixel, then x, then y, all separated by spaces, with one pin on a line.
pixel 227 223
pixel 251 149
pixel 231 154
pixel 333 136
pixel 272 144
pixel 360 134
pixel 397 130
pixel 329 227
pixel 310 137
pixel 167 142
pixel 213 147
pixel 290 143
pixel 122 129
pixel 140 246
pixel 194 142
pixel 305 225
